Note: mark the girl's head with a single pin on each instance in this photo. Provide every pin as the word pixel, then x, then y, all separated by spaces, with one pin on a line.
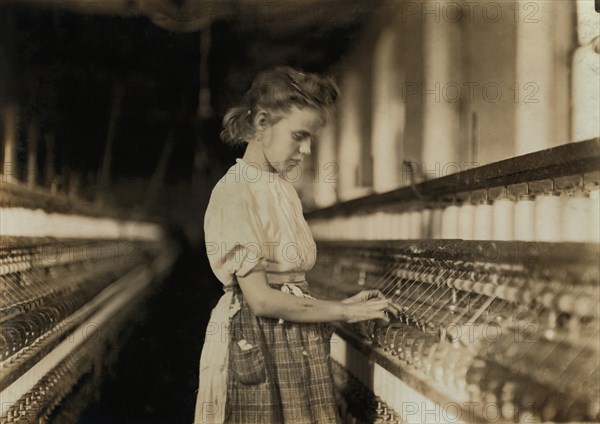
pixel 274 94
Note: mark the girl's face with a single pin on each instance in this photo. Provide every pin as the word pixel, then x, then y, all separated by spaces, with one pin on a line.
pixel 287 139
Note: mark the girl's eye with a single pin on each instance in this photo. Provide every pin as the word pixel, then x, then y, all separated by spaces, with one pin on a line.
pixel 297 136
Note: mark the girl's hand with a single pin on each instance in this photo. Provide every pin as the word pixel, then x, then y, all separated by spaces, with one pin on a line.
pixel 377 308
pixel 363 296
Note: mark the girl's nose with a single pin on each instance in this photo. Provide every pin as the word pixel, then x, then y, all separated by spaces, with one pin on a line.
pixel 305 147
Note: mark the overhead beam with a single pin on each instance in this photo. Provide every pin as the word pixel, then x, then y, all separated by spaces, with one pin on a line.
pixel 196 15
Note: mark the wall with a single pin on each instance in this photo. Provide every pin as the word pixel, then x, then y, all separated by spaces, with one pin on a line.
pixel 451 85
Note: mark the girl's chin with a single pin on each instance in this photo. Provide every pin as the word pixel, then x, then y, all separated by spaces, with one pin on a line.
pixel 292 168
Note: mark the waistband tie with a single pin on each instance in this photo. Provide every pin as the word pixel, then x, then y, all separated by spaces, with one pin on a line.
pixel 286 277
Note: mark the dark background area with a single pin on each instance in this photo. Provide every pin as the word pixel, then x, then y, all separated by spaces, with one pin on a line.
pixel 71 71
pixel 155 379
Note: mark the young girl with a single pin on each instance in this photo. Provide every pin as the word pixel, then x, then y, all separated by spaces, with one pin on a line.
pixel 266 354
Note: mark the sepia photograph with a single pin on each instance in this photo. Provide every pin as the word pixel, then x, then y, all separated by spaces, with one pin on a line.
pixel 299 212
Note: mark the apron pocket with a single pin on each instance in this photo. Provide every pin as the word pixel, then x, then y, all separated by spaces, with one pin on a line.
pixel 248 366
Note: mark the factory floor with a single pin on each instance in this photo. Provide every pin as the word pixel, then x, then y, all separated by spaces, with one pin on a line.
pixel 156 375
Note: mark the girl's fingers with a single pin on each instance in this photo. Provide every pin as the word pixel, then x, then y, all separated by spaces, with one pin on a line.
pixel 383 316
pixel 385 304
pixel 376 308
pixel 365 295
pixel 370 294
pixel 395 308
pixel 381 303
pixel 392 310
pixel 375 294
pixel 379 295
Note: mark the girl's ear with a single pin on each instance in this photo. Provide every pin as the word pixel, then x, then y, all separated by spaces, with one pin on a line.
pixel 261 120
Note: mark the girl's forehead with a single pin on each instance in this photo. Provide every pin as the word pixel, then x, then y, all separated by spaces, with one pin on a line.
pixel 307 118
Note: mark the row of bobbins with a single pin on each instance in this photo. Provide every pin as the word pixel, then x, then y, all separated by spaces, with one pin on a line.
pixel 570 216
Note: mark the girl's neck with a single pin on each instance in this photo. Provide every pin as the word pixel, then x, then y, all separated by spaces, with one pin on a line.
pixel 254 156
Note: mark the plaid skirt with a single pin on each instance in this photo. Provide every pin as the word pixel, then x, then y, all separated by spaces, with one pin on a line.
pixel 279 371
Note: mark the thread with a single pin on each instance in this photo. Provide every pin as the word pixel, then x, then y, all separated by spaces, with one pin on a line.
pixel 576 218
pixel 436 223
pixel 338 224
pixel 414 218
pixel 503 215
pixel 389 222
pixel 370 228
pixel 426 216
pixel 400 223
pixel 595 215
pixel 450 222
pixel 466 215
pixel 482 226
pixel 349 224
pixel 524 218
pixel 548 217
pixel 381 232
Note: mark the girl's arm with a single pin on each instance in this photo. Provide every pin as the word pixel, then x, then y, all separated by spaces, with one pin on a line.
pixel 265 301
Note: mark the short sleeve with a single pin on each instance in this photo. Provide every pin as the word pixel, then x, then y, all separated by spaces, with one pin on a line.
pixel 233 233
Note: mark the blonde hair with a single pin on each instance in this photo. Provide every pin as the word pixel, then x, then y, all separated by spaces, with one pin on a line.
pixel 278 89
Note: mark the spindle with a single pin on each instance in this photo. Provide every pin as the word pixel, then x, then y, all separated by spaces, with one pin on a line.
pixel 450 221
pixel 548 216
pixel 466 218
pixel 415 225
pixel 436 223
pixel 503 216
pixel 525 217
pixel 483 217
pixel 576 215
pixel 595 214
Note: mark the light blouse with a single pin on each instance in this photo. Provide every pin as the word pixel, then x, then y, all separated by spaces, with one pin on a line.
pixel 254 221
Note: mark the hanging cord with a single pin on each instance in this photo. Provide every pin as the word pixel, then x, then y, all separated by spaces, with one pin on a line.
pixel 412 170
